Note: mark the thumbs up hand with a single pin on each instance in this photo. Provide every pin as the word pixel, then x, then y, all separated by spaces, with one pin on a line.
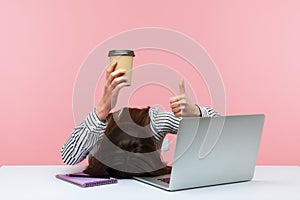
pixel 181 106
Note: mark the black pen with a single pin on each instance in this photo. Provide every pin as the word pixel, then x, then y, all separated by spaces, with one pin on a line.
pixel 85 176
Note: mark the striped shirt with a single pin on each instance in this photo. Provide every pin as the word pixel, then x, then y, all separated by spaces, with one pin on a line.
pixel 85 137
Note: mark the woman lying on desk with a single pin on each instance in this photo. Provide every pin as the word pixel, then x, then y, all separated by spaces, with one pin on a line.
pixel 126 143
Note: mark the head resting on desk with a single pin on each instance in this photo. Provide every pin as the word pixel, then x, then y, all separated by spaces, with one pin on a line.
pixel 127 148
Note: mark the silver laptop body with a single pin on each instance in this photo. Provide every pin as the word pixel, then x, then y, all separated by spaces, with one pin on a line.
pixel 212 151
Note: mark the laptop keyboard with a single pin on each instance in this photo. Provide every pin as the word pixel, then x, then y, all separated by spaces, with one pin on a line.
pixel 166 180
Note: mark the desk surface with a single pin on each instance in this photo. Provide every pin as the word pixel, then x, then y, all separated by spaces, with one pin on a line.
pixel 39 182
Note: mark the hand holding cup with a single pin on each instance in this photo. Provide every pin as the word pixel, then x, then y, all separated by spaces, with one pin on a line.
pixel 115 81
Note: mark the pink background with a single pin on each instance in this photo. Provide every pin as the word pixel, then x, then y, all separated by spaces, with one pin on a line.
pixel 255 45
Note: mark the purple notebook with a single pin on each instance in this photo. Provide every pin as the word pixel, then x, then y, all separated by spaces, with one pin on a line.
pixel 84 180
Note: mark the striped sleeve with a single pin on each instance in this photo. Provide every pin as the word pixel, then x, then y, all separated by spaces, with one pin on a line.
pixel 82 139
pixel 162 123
pixel 208 112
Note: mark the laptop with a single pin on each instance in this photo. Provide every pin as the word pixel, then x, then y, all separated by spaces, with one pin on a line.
pixel 212 151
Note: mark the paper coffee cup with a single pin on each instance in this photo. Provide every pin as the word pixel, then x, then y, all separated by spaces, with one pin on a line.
pixel 124 58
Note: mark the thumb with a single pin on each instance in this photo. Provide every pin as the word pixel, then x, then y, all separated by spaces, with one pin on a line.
pixel 181 87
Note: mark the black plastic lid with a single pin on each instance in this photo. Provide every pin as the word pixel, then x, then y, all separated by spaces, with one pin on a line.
pixel 121 53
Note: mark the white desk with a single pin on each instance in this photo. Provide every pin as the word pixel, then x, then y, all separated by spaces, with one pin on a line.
pixel 39 182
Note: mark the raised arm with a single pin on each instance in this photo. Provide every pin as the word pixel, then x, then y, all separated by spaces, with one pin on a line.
pixel 163 122
pixel 182 107
pixel 89 132
pixel 168 122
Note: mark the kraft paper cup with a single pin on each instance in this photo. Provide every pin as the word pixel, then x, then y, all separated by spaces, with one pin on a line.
pixel 124 58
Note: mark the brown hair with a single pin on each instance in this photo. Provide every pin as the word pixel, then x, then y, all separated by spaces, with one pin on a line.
pixel 127 148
